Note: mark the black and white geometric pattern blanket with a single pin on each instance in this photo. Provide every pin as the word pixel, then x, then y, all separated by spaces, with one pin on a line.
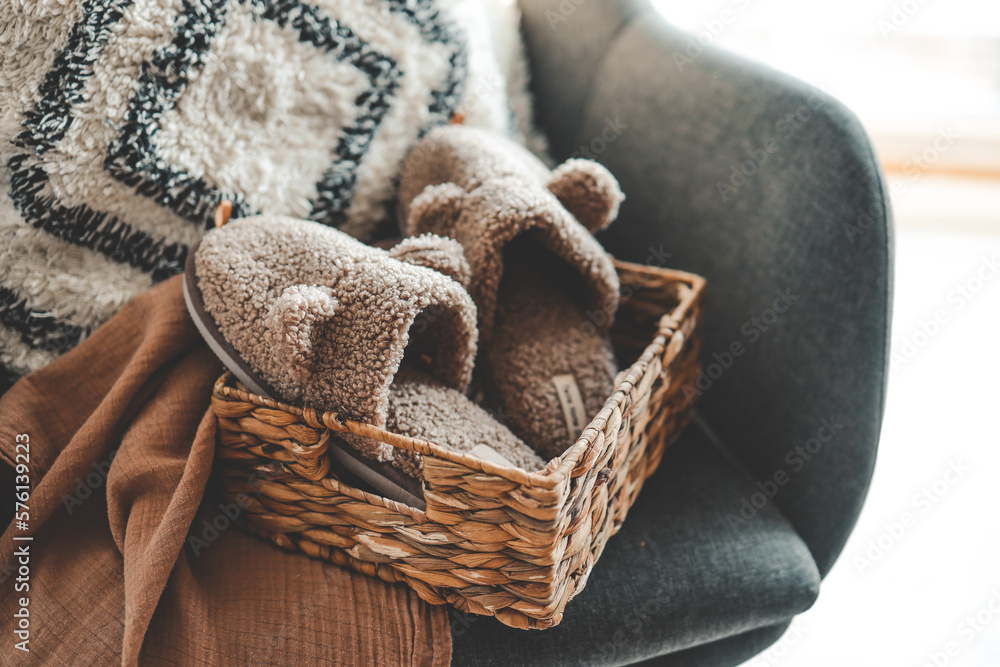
pixel 124 122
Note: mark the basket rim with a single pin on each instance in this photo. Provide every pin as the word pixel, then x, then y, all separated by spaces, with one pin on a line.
pixel 559 469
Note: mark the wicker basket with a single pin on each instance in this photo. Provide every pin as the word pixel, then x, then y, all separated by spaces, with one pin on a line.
pixel 492 540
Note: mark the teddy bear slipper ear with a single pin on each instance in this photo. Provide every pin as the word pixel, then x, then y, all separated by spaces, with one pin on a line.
pixel 435 252
pixel 434 210
pixel 292 325
pixel 588 191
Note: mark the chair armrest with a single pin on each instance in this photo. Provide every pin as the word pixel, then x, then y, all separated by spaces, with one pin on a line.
pixel 770 189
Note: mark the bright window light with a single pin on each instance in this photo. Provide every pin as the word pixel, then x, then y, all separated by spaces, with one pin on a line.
pixel 911 69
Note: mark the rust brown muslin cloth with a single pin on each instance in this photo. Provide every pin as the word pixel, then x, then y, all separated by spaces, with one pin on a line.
pixel 125 565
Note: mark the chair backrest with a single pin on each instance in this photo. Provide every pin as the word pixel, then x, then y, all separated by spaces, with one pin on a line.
pixel 768 188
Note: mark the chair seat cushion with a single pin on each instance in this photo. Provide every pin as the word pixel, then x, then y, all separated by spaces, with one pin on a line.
pixel 692 564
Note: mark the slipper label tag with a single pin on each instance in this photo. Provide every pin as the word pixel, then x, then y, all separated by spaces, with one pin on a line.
pixel 574 411
pixel 487 453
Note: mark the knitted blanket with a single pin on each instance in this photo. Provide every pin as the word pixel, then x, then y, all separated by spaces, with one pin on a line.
pixel 124 122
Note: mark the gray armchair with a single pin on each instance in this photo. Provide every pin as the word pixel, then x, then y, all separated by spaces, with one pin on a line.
pixel 770 189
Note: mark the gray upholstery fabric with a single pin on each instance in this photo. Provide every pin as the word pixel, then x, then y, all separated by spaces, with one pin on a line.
pixel 723 653
pixel 678 574
pixel 792 228
pixel 797 247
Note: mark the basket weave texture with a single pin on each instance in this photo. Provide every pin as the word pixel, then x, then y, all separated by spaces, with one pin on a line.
pixel 492 540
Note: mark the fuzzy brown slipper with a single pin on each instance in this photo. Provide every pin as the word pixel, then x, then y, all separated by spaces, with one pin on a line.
pixel 546 290
pixel 307 314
